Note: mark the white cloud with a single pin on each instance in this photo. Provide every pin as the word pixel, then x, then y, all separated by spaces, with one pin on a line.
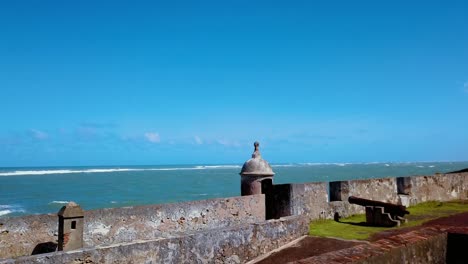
pixel 153 137
pixel 37 134
pixel 198 140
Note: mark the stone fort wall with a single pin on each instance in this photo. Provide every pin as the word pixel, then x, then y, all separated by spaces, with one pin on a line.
pixel 230 225
pixel 237 244
pixel 313 200
pixel 21 235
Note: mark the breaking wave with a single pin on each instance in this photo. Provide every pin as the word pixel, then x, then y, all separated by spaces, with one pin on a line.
pixel 68 171
pixel 9 209
pixel 325 164
pixel 5 212
pixel 59 202
pixel 188 168
pixel 218 167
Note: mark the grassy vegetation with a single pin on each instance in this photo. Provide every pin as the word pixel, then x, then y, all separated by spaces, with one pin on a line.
pixel 352 228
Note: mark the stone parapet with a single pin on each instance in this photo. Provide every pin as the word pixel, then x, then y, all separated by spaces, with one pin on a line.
pixel 24 235
pixel 237 244
pixel 427 245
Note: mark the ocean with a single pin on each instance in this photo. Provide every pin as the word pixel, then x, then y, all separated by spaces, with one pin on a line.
pixel 25 191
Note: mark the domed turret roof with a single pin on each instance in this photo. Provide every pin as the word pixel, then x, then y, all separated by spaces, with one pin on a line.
pixel 256 166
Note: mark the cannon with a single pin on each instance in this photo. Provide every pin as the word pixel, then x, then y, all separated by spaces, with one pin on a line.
pixel 380 213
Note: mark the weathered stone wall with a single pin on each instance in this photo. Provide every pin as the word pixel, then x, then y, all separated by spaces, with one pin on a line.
pixel 107 226
pixel 309 199
pixel 422 246
pixel 19 236
pixel 237 244
pixel 440 187
pixel 384 190
pixel 432 249
pixel 312 199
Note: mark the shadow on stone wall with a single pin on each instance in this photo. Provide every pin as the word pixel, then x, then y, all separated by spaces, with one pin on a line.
pixel 46 247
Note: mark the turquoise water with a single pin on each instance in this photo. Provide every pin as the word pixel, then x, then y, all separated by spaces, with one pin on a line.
pixel 26 191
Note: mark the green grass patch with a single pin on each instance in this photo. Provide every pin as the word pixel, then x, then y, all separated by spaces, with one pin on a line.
pixel 352 228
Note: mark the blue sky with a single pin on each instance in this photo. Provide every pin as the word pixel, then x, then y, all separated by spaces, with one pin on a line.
pixel 147 82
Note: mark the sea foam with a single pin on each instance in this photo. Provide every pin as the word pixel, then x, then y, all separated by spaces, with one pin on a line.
pixel 9 209
pixel 68 171
pixel 218 167
pixel 59 202
pixel 5 212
